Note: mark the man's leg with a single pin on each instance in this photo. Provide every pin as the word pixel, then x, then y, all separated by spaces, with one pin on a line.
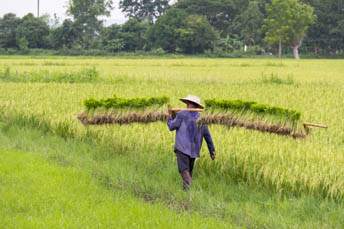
pixel 183 162
pixel 187 180
pixel 192 163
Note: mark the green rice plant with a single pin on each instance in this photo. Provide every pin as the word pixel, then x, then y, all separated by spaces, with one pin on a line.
pixel 126 111
pixel 5 74
pixel 229 104
pixel 120 103
pixel 254 107
pixel 311 166
pixel 275 79
pixel 228 120
pixel 82 76
pixel 52 63
pixel 274 64
pixel 38 193
pixel 123 117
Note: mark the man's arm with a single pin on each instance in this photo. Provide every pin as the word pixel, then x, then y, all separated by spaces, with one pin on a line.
pixel 209 140
pixel 174 123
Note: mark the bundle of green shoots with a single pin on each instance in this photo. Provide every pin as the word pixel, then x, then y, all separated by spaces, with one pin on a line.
pixel 230 113
pixel 121 111
pixel 254 116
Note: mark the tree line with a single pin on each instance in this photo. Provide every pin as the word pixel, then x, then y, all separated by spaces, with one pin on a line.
pixel 185 26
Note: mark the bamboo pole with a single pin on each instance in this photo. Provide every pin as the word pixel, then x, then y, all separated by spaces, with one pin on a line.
pixel 315 125
pixel 38 8
pixel 185 109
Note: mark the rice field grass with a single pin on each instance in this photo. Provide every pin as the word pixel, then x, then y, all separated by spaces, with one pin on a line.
pixel 312 166
pixel 40 194
pixel 71 174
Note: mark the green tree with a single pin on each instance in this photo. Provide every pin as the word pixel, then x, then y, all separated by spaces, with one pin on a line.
pixel 131 36
pixel 249 23
pixel 144 9
pixel 23 44
pixel 65 35
pixel 229 44
pixel 134 34
pixel 164 32
pixel 220 13
pixel 196 35
pixel 8 31
pixel 178 31
pixel 34 30
pixel 287 22
pixel 86 15
pixel 326 35
pixel 110 38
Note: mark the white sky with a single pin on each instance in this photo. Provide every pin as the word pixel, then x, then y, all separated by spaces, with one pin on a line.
pixel 51 7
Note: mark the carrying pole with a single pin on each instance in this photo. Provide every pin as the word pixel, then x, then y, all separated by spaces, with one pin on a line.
pixel 315 125
pixel 185 109
pixel 37 8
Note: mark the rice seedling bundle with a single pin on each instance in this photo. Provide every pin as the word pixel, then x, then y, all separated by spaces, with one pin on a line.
pixel 254 107
pixel 230 113
pixel 120 103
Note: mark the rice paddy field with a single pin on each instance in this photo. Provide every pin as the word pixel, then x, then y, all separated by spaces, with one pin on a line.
pixel 258 180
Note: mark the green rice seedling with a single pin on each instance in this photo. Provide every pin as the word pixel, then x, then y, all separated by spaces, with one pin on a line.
pixel 250 110
pixel 125 117
pixel 54 63
pixel 275 64
pixel 45 76
pixel 120 103
pixel 231 113
pixel 275 79
pixel 5 74
pixel 122 118
pixel 253 107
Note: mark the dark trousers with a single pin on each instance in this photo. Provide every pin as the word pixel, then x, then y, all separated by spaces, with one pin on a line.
pixel 184 162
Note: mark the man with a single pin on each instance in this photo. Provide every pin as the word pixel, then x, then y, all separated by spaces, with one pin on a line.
pixel 189 137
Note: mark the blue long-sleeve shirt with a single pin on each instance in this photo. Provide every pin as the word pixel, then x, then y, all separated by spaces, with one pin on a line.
pixel 189 135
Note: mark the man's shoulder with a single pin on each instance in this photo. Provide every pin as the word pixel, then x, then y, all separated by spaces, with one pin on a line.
pixel 183 114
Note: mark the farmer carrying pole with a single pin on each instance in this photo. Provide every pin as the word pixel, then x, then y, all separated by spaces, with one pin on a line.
pixel 189 137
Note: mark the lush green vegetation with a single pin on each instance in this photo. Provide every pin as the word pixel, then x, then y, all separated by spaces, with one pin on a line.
pixel 215 27
pixel 67 183
pixel 36 193
pixel 119 103
pixel 46 76
pixel 258 180
pixel 254 107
